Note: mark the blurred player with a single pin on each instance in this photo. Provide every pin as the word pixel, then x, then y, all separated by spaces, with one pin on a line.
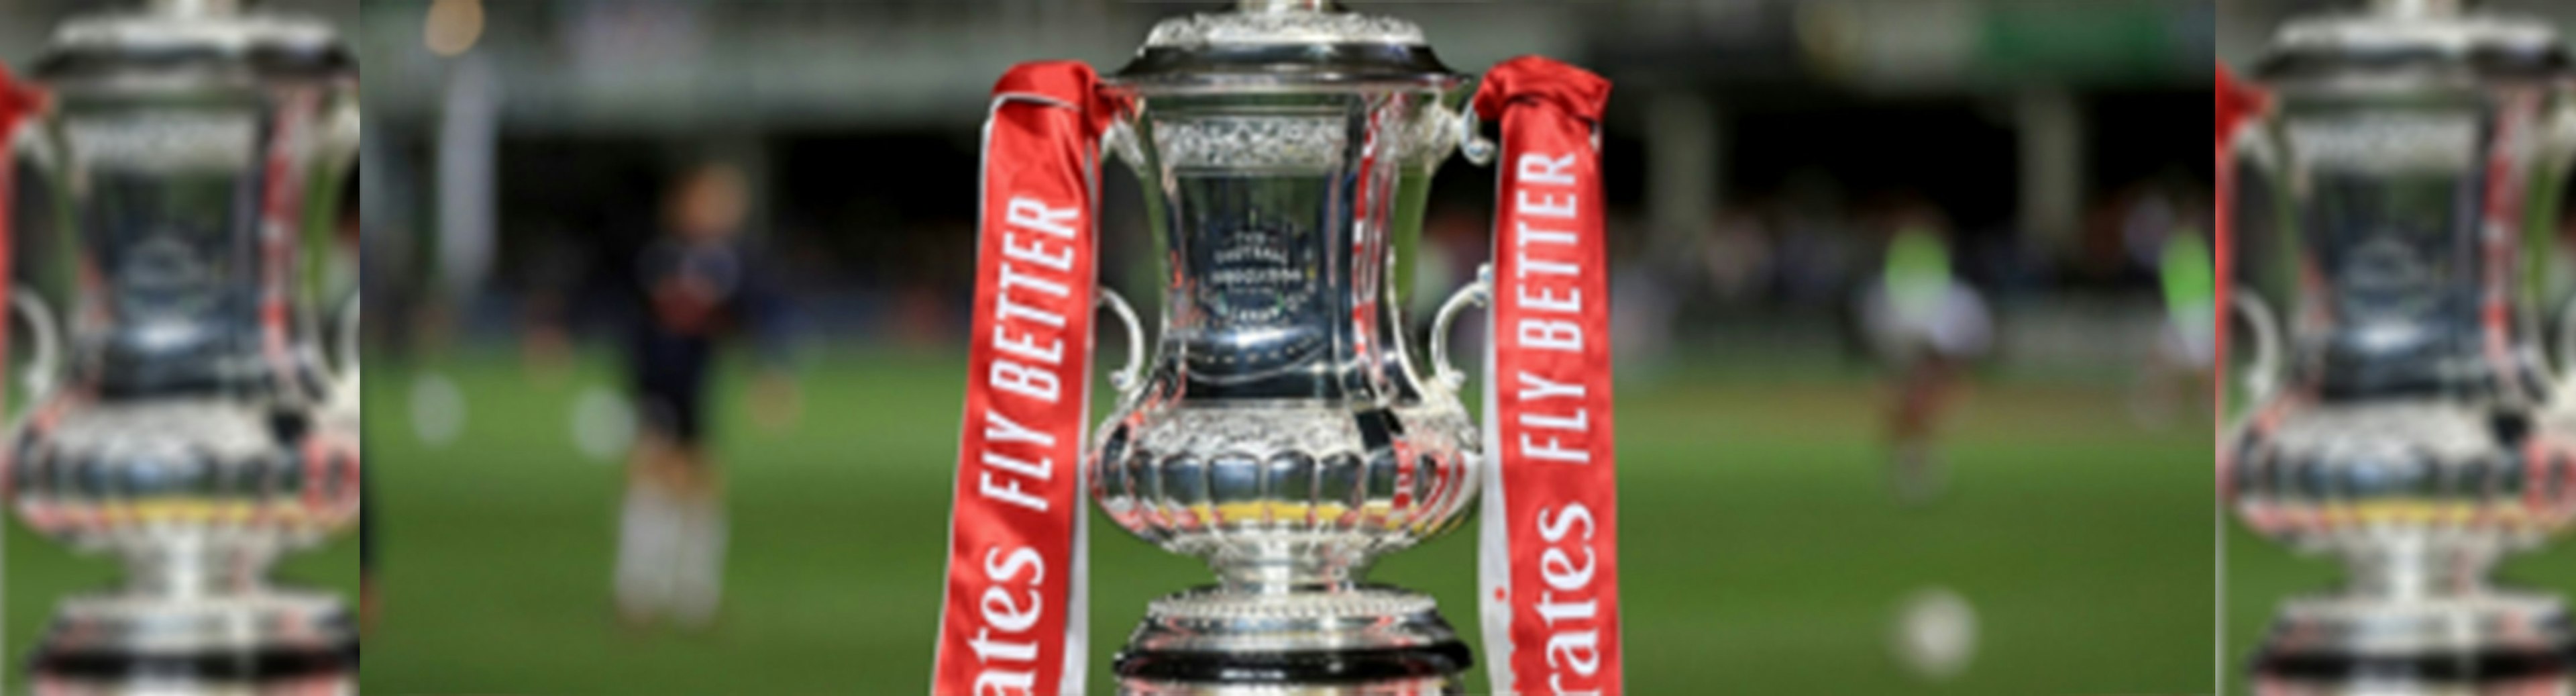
pixel 1928 324
pixel 695 283
pixel 2178 373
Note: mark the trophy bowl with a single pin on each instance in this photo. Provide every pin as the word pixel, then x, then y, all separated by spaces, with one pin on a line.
pixel 197 500
pixel 2419 501
pixel 2459 483
pixel 1288 494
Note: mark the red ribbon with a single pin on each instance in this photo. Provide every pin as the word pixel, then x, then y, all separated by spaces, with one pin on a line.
pixel 1550 525
pixel 2236 104
pixel 17 103
pixel 1012 622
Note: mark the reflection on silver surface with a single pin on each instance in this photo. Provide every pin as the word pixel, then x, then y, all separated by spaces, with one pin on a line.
pixel 1281 430
pixel 2413 434
pixel 193 434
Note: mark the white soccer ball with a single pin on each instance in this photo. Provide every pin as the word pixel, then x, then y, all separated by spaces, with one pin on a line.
pixel 1936 634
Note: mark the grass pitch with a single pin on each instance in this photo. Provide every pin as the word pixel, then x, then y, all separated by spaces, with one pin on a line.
pixel 1764 550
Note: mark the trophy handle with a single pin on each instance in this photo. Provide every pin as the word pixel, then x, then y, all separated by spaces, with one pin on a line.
pixel 1126 378
pixel 2566 353
pixel 1472 143
pixel 2263 376
pixel 47 339
pixel 2558 134
pixel 1475 293
pixel 346 381
pixel 1120 140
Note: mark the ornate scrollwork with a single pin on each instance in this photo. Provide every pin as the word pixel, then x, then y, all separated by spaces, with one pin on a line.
pixel 1252 142
pixel 1282 28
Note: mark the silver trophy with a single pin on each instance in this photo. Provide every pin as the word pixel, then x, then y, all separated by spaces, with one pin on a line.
pixel 187 422
pixel 2401 186
pixel 1281 429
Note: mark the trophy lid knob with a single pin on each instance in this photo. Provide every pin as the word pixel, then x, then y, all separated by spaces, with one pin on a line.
pixel 2419 8
pixel 1288 5
pixel 197 8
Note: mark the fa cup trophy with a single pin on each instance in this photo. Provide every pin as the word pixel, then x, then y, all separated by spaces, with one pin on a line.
pixel 1282 430
pixel 191 150
pixel 2408 173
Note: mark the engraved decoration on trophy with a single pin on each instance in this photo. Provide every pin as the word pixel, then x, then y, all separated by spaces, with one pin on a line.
pixel 189 420
pixel 1281 430
pixel 2403 420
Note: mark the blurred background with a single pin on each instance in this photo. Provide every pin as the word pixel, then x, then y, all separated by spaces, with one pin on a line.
pixel 1761 153
pixel 42 572
pixel 2261 573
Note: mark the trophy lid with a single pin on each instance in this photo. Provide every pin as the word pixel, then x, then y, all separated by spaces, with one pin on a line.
pixel 193 36
pixel 1284 43
pixel 2435 37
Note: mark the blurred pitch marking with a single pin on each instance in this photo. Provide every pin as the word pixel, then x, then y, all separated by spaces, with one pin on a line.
pixel 437 409
pixel 603 424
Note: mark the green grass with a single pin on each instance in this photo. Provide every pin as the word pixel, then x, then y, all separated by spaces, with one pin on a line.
pixel 1764 553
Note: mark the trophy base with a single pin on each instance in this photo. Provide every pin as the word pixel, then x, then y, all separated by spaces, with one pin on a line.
pixel 1366 641
pixel 2472 645
pixel 254 644
pixel 339 683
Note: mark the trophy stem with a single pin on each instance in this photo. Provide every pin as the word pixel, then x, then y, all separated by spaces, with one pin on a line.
pixel 1285 576
pixel 189 567
pixel 2411 567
